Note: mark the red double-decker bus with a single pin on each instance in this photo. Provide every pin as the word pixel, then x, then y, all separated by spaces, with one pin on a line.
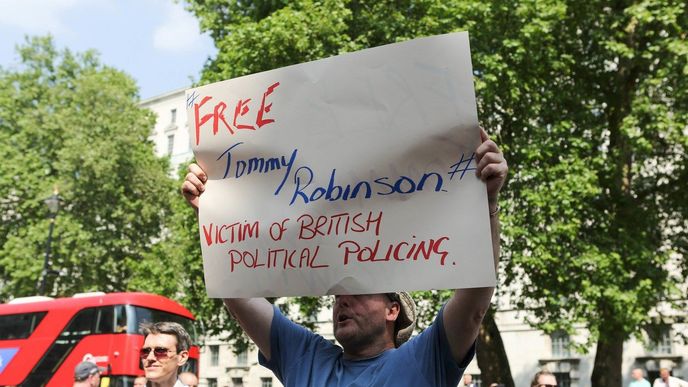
pixel 43 339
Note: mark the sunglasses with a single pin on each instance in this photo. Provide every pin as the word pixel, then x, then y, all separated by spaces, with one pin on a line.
pixel 158 352
pixel 547 385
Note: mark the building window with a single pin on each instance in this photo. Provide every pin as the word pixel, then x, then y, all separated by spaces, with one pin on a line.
pixel 170 144
pixel 212 382
pixel 265 382
pixel 173 113
pixel 563 379
pixel 242 359
pixel 560 344
pixel 237 382
pixel 662 345
pixel 214 355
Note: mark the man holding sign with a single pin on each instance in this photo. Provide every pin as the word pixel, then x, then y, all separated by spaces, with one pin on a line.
pixel 350 176
pixel 366 325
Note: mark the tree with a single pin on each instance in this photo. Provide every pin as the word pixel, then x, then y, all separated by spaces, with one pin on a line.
pixel 591 101
pixel 70 122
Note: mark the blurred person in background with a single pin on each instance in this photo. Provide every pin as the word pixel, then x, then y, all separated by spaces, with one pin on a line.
pixel 638 379
pixel 189 379
pixel 666 380
pixel 87 374
pixel 544 378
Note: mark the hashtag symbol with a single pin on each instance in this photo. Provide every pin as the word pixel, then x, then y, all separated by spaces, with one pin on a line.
pixel 191 99
pixel 459 166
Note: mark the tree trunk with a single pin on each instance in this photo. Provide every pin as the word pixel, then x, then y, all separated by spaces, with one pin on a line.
pixel 491 355
pixel 607 370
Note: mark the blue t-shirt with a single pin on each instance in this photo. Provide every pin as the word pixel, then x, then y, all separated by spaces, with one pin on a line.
pixel 639 383
pixel 302 358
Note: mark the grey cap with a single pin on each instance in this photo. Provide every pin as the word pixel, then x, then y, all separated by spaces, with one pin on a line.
pixel 406 322
pixel 85 369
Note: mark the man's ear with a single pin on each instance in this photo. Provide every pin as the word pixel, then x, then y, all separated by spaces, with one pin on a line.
pixel 183 357
pixel 393 311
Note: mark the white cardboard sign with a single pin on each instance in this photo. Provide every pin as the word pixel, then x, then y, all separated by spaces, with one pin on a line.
pixel 346 175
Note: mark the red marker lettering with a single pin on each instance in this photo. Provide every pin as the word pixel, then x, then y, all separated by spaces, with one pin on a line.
pixel 220 116
pixel 197 107
pixel 265 109
pixel 241 114
pixel 240 111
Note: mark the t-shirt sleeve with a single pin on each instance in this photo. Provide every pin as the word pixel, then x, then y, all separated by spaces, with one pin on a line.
pixel 433 355
pixel 288 342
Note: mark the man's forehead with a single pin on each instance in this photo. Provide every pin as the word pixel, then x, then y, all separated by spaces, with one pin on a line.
pixel 161 339
pixel 547 379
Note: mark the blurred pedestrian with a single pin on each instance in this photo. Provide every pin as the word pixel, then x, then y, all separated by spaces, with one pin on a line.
pixel 638 379
pixel 666 380
pixel 189 379
pixel 544 378
pixel 86 374
pixel 140 381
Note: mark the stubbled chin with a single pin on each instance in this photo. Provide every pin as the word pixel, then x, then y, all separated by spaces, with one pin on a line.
pixel 152 372
pixel 343 329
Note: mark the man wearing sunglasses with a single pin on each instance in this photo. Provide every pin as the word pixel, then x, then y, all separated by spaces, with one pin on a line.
pixel 368 326
pixel 165 349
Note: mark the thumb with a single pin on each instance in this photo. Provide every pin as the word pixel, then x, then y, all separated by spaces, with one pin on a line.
pixel 483 135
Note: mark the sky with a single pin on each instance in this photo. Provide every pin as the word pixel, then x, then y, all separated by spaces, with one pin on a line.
pixel 156 42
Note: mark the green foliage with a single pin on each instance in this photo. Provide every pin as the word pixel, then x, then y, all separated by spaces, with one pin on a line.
pixel 428 303
pixel 68 121
pixel 595 129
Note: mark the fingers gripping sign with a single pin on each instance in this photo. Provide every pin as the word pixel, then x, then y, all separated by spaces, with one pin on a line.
pixel 194 185
pixel 492 167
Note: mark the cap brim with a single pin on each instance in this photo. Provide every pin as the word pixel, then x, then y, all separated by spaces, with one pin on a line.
pixel 407 317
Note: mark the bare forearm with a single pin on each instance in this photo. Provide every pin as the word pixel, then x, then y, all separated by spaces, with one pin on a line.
pixel 463 315
pixel 464 312
pixel 255 318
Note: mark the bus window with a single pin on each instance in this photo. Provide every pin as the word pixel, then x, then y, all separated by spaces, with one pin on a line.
pixel 81 325
pixel 106 319
pixel 19 326
pixel 138 315
pixel 120 319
